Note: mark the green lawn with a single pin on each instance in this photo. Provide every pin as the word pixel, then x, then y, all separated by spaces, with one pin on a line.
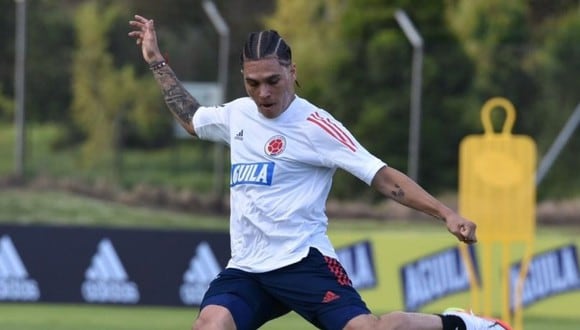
pixel 184 164
pixel 86 317
pixel 25 206
pixel 70 317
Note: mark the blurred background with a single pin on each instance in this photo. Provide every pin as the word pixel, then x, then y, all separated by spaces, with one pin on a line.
pixel 92 119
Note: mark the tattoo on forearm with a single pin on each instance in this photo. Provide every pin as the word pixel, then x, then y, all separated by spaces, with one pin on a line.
pixel 398 194
pixel 178 100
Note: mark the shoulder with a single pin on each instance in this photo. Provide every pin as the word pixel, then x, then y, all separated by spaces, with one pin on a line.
pixel 309 113
pixel 320 121
pixel 241 103
pixel 323 128
pixel 238 107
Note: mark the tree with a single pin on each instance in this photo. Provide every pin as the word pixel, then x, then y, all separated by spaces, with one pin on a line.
pixel 6 105
pixel 104 96
pixel 558 65
pixel 7 24
pixel 528 52
pixel 353 59
pixel 496 34
pixel 314 37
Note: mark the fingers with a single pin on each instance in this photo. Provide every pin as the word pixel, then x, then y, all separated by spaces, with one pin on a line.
pixel 467 233
pixel 139 21
pixel 142 25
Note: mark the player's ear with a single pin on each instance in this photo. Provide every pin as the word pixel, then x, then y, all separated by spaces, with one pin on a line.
pixel 293 70
pixel 294 75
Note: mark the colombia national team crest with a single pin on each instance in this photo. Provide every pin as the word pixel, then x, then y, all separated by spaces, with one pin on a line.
pixel 275 145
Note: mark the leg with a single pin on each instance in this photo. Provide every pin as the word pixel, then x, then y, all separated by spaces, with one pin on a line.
pixel 396 321
pixel 318 289
pixel 235 300
pixel 214 317
pixel 402 320
pixel 449 320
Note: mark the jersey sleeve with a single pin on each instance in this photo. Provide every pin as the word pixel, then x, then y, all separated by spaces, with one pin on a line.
pixel 338 148
pixel 212 123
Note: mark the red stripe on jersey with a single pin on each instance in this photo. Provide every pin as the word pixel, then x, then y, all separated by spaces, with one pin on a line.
pixel 334 130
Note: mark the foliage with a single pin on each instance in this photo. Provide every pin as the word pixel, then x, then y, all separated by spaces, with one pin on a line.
pixel 558 63
pixel 496 36
pixel 50 45
pixel 315 40
pixel 535 66
pixel 182 165
pixel 358 66
pixel 189 40
pixel 6 105
pixel 353 60
pixel 104 97
pixel 7 50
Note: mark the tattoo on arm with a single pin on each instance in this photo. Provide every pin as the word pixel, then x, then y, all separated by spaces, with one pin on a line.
pixel 398 194
pixel 178 100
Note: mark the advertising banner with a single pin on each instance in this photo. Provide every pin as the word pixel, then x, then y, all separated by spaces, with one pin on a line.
pixel 435 276
pixel 358 262
pixel 108 266
pixel 550 273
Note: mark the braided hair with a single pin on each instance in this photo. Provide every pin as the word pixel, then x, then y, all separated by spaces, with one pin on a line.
pixel 266 44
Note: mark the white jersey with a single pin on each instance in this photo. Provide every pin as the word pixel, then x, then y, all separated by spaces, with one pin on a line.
pixel 281 174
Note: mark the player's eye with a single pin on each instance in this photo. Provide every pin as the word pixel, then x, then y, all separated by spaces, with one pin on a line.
pixel 273 81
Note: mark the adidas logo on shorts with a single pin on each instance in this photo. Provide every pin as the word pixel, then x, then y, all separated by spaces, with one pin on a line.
pixel 330 296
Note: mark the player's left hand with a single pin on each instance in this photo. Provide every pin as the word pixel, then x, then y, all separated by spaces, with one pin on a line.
pixel 461 228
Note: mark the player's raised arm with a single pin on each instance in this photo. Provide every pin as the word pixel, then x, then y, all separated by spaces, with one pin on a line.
pixel 181 104
pixel 399 187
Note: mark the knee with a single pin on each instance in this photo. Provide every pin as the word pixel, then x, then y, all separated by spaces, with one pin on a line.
pixel 362 322
pixel 205 323
pixel 214 318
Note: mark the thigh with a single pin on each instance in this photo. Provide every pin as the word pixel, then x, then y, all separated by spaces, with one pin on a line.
pixel 318 289
pixel 248 303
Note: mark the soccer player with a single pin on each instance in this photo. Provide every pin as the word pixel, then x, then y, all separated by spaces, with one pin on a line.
pixel 284 152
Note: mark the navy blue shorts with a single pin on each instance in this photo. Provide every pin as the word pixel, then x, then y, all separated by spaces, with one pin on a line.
pixel 316 287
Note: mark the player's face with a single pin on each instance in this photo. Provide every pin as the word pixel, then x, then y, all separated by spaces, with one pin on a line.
pixel 270 85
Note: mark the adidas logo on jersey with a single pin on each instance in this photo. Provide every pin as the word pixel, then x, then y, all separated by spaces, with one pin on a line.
pixel 14 282
pixel 203 268
pixel 106 280
pixel 240 135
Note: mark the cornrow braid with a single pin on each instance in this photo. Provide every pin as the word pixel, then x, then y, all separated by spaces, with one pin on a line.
pixel 266 44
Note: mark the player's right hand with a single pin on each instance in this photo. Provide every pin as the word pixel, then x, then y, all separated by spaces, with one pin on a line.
pixel 146 37
pixel 461 228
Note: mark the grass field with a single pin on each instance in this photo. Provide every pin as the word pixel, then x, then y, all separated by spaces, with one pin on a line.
pixel 69 317
pixel 182 165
